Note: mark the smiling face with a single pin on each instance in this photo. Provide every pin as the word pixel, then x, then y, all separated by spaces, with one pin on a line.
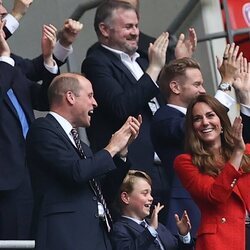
pixel 207 124
pixel 139 200
pixel 84 103
pixel 123 32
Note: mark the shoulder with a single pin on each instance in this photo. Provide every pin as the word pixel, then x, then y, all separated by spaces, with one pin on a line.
pixel 182 159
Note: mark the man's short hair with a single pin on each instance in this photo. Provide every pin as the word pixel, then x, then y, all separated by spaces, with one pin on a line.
pixel 104 12
pixel 61 84
pixel 176 68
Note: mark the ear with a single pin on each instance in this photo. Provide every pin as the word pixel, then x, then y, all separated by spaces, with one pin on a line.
pixel 125 197
pixel 175 87
pixel 70 97
pixel 104 29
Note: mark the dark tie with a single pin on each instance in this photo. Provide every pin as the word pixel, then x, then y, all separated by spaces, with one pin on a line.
pixel 93 183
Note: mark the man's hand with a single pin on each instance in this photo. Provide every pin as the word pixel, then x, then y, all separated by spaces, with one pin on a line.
pixel 20 8
pixel 4 47
pixel 154 216
pixel 69 32
pixel 48 43
pixel 183 224
pixel 157 55
pixel 124 136
pixel 186 47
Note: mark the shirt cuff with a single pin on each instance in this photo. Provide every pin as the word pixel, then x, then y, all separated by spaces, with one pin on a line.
pixel 186 239
pixel 8 60
pixel 61 53
pixel 152 231
pixel 53 69
pixel 11 23
pixel 245 109
pixel 224 98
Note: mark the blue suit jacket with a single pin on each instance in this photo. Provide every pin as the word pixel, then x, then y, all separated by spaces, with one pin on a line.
pixel 65 210
pixel 129 235
pixel 167 133
pixel 119 95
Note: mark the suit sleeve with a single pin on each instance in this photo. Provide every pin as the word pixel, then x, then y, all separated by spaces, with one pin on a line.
pixel 114 91
pixel 48 151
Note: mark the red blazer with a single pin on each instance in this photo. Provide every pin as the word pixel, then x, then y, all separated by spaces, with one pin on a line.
pixel 222 200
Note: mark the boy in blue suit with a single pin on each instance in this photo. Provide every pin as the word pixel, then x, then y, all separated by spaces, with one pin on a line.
pixel 132 231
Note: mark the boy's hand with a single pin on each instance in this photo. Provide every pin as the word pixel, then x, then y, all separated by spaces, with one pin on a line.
pixel 183 224
pixel 154 216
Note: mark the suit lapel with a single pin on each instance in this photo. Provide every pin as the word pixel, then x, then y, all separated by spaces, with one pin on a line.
pixel 61 131
pixel 116 61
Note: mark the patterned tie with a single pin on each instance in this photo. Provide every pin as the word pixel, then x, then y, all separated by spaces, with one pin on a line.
pixel 93 183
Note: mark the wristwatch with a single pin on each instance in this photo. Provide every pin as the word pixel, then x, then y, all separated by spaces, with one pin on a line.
pixel 225 86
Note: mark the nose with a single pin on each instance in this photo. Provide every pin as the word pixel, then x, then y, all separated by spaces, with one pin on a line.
pixel 202 90
pixel 205 121
pixel 135 30
pixel 150 198
pixel 94 103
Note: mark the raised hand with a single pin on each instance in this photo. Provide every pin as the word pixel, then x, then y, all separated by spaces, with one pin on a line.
pixel 230 65
pixel 157 55
pixel 124 136
pixel 183 224
pixel 69 32
pixel 239 144
pixel 185 47
pixel 242 82
pixel 4 47
pixel 20 8
pixel 48 43
pixel 154 217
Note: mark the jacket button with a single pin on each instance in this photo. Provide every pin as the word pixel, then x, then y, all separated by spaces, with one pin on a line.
pixel 94 198
pixel 223 220
pixel 97 215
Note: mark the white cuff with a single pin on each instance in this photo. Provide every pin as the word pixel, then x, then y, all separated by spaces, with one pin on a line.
pixel 53 69
pixel 245 109
pixel 185 238
pixel 224 98
pixel 8 60
pixel 11 23
pixel 61 53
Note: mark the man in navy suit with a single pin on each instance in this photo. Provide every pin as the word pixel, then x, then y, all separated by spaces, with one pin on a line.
pixel 133 231
pixel 180 81
pixel 68 213
pixel 19 95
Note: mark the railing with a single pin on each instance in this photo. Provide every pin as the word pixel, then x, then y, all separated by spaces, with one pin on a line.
pixel 17 244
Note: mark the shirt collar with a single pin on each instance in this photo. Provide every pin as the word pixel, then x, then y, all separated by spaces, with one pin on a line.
pixel 181 109
pixel 134 219
pixel 121 54
pixel 65 124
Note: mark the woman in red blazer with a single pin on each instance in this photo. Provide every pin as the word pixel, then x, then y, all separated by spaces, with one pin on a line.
pixel 216 172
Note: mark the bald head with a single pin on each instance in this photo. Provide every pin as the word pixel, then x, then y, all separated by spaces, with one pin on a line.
pixel 63 83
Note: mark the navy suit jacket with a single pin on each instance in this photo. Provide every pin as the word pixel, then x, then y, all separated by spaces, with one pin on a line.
pixel 30 95
pixel 65 209
pixel 167 133
pixel 120 95
pixel 129 235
